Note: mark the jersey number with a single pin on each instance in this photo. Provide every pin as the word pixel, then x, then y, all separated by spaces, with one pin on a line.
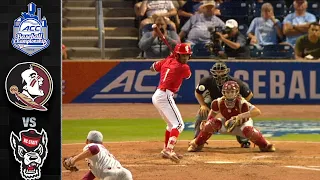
pixel 165 76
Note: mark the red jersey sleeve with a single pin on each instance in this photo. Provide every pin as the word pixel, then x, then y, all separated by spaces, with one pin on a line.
pixel 244 107
pixel 186 72
pixel 157 65
pixel 215 106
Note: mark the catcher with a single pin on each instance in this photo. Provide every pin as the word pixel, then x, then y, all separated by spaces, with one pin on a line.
pixel 209 88
pixel 237 114
pixel 101 163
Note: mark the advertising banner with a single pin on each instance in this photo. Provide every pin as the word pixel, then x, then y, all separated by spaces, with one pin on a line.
pixel 133 82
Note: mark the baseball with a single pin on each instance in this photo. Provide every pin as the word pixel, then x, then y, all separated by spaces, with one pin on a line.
pixel 154 26
pixel 201 88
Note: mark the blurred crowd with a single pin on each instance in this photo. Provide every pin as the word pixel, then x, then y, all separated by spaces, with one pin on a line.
pixel 231 28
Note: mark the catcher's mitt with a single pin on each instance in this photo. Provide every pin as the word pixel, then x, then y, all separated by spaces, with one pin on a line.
pixel 67 164
pixel 232 123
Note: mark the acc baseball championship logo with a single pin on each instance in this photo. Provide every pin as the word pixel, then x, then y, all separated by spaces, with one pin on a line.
pixel 29 86
pixel 30 31
pixel 30 150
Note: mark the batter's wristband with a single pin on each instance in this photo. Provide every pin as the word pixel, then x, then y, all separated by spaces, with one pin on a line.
pixel 245 115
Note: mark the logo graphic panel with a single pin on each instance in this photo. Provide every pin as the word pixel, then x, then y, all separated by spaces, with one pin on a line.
pixel 30 150
pixel 29 86
pixel 30 31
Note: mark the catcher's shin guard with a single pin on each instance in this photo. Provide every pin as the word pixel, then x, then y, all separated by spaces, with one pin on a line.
pixel 256 137
pixel 212 125
pixel 193 147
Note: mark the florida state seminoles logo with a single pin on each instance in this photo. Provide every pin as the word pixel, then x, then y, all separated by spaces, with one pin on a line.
pixel 30 150
pixel 29 86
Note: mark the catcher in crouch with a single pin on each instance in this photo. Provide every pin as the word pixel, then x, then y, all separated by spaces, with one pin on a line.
pixel 102 165
pixel 237 114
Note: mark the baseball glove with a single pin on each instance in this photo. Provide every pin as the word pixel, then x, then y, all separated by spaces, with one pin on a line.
pixel 232 123
pixel 67 164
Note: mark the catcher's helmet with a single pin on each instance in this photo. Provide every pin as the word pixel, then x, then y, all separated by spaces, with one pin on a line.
pixel 230 91
pixel 220 72
pixel 182 48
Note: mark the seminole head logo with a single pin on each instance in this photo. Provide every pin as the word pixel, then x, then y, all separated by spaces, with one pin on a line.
pixel 30 150
pixel 29 86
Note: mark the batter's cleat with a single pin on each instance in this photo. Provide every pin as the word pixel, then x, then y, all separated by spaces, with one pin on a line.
pixel 193 147
pixel 245 145
pixel 170 154
pixel 269 148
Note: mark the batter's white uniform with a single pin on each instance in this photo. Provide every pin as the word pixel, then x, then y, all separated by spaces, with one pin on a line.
pixel 104 166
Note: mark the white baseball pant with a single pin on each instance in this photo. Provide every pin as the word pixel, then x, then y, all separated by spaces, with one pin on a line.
pixel 165 104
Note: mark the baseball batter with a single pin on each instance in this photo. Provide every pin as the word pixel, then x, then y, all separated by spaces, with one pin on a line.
pixel 102 164
pixel 237 114
pixel 209 88
pixel 172 70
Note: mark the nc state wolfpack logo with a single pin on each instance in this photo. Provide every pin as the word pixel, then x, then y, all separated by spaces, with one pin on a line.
pixel 30 150
pixel 29 86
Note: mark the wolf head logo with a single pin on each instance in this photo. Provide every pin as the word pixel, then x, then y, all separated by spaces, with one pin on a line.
pixel 30 150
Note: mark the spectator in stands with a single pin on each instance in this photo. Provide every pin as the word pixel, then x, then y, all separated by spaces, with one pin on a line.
pixel 188 10
pixel 308 46
pixel 154 8
pixel 153 46
pixel 265 30
pixel 235 42
pixel 196 28
pixel 297 23
pixel 64 52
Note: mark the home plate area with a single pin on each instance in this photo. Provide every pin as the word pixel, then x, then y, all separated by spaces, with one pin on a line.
pixel 218 160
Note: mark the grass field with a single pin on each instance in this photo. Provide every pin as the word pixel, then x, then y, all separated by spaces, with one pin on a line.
pixel 75 131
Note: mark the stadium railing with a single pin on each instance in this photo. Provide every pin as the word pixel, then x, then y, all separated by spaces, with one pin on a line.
pixel 100 26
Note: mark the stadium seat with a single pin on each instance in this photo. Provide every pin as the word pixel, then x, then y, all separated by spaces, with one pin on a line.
pixel 254 52
pixel 314 8
pixel 200 51
pixel 277 52
pixel 280 10
pixel 243 28
pixel 238 9
pixel 256 9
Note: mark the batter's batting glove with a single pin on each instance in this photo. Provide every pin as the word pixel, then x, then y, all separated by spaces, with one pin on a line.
pixel 68 165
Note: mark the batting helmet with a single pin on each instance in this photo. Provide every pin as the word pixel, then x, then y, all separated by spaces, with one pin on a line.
pixel 182 48
pixel 220 72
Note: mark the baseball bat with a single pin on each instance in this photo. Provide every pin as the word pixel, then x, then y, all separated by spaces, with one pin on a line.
pixel 162 37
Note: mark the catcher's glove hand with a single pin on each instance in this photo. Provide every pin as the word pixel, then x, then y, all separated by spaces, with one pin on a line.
pixel 232 123
pixel 68 165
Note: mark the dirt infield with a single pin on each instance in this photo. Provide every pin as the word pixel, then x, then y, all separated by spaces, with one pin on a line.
pixel 219 160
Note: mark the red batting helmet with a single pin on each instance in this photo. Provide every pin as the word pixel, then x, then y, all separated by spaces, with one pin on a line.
pixel 183 48
pixel 230 91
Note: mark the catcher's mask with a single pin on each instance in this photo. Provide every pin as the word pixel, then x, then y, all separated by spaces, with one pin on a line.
pixel 220 72
pixel 230 91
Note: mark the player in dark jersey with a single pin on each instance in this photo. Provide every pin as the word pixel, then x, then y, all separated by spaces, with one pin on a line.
pixel 209 88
